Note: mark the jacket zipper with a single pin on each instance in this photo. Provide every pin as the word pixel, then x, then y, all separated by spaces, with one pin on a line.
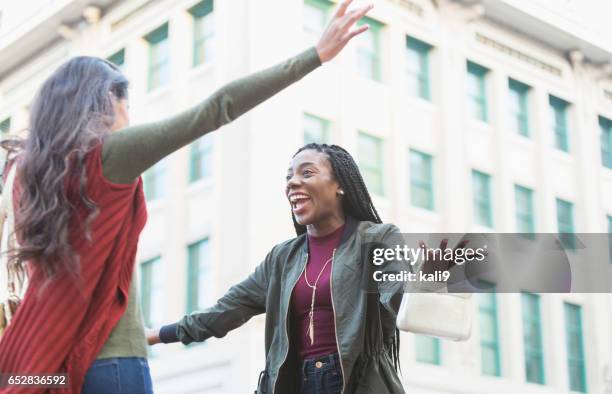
pixel 286 315
pixel 331 288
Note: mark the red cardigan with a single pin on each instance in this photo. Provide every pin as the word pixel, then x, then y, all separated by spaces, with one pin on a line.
pixel 61 328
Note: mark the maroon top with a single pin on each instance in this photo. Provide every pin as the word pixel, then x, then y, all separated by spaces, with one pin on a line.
pixel 320 251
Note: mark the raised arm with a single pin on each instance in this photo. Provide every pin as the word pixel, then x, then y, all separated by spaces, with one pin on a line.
pixel 236 307
pixel 126 154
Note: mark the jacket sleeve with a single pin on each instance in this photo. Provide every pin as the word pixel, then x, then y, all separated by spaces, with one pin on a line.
pixel 129 152
pixel 236 307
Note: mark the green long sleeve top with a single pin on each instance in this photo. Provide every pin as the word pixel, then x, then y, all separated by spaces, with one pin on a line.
pixel 126 154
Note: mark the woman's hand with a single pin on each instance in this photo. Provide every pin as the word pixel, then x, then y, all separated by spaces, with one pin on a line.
pixel 153 336
pixel 338 32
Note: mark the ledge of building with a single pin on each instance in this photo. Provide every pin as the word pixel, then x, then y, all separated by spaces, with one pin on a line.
pixel 41 30
pixel 547 26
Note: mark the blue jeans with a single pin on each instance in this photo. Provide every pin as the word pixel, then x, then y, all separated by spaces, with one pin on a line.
pixel 321 375
pixel 120 375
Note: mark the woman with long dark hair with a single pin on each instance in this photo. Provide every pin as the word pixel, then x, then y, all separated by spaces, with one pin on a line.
pixel 325 332
pixel 80 209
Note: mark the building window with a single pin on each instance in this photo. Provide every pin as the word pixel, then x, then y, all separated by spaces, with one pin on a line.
pixel 159 57
pixel 489 333
pixel 523 198
pixel 417 68
pixel 558 118
pixel 118 58
pixel 203 32
pixel 151 285
pixel 316 129
pixel 477 91
pixel 518 101
pixel 483 209
pixel 606 141
pixel 199 293
pixel 154 180
pixel 371 162
pixel 532 338
pixel 575 348
pixel 368 50
pixel 5 126
pixel 428 350
pixel 200 160
pixel 565 223
pixel 316 15
pixel 421 180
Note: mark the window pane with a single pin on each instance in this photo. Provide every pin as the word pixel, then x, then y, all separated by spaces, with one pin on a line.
pixel 476 91
pixel 427 349
pixel 154 180
pixel 199 289
pixel 558 116
pixel 203 38
pixel 370 162
pixel 518 107
pixel 575 350
pixel 532 335
pixel 606 141
pixel 368 56
pixel 565 223
pixel 152 292
pixel 5 126
pixel 118 58
pixel 417 68
pixel 524 210
pixel 201 158
pixel 483 211
pixel 421 182
pixel 159 57
pixel 315 129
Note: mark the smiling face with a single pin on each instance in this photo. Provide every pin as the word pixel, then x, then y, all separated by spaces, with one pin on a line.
pixel 313 192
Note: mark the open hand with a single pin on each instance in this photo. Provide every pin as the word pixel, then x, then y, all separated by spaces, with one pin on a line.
pixel 338 33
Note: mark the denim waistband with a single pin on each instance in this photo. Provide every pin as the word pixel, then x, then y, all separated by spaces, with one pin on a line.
pixel 329 361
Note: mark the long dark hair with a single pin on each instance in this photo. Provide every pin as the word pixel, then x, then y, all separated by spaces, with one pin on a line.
pixel 72 112
pixel 356 203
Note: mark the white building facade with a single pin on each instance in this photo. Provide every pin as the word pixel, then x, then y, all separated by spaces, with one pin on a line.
pixel 464 116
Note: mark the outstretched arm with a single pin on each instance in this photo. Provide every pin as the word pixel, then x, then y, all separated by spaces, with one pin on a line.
pixel 126 154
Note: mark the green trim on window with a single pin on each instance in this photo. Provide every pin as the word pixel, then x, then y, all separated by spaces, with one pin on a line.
pixel 197 266
pixel 370 155
pixel 202 8
pixel 5 126
pixel 532 339
pixel 118 58
pixel 558 109
pixel 418 67
pixel 478 98
pixel 489 332
pixel 428 350
pixel 421 180
pixel 605 125
pixel 159 57
pixel 576 362
pixel 316 129
pixel 324 5
pixel 481 191
pixel 519 106
pixel 565 223
pixel 201 35
pixel 375 28
pixel 525 223
pixel 200 158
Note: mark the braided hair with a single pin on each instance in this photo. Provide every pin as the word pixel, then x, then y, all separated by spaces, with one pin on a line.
pixel 356 203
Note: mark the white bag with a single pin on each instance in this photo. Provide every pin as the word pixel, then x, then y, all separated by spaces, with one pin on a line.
pixel 444 315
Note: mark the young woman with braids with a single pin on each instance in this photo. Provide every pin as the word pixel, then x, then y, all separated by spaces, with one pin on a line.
pixel 80 210
pixel 324 332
